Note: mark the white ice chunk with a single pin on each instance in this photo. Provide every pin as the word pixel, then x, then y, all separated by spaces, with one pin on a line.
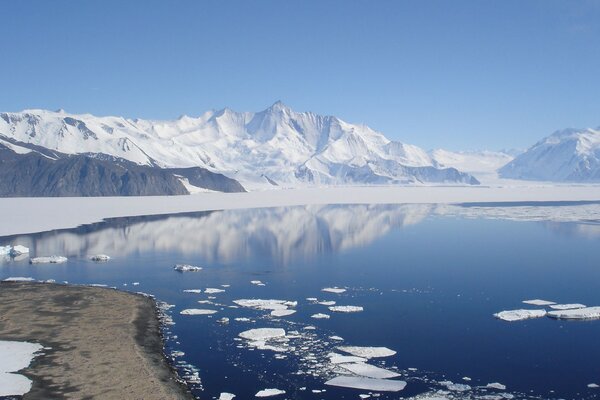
pixel 213 290
pixel 99 257
pixel 336 358
pixel 538 302
pixel 257 283
pixel 48 260
pixel 320 316
pixel 14 356
pixel 336 290
pixel 269 392
pixel 326 303
pixel 577 314
pixel 496 385
pixel 519 315
pixel 197 311
pixel 261 304
pixel 186 268
pixel 356 382
pixel 339 338
pixel 369 371
pixel 346 309
pixel 18 279
pixel 5 250
pixel 226 396
pixel 197 291
pixel 18 250
pixel 593 385
pixel 262 333
pixel 367 352
pixel 567 306
pixel 282 313
pixel 455 387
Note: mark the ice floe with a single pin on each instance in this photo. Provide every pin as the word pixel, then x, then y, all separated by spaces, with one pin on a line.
pixel 282 313
pixel 269 392
pixel 538 302
pixel 334 337
pixel 356 382
pixel 100 257
pixel 257 283
pixel 367 352
pixel 48 260
pixel 213 290
pixel 14 356
pixel 5 250
pixel 346 309
pixel 519 315
pixel 186 268
pixel 334 289
pixel 326 303
pixel 197 311
pixel 226 396
pixel 369 371
pixel 593 385
pixel 496 385
pixel 18 250
pixel 567 306
pixel 320 316
pixel 262 334
pixel 197 291
pixel 576 314
pixel 268 305
pixel 336 358
pixel 455 387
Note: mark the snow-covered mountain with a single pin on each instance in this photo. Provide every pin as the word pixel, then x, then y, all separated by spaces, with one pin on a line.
pixel 276 146
pixel 570 155
pixel 483 164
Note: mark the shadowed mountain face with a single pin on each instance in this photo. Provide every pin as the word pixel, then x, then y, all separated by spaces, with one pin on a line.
pixel 51 174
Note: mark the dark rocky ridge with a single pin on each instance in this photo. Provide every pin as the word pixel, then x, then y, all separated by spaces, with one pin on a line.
pixel 37 174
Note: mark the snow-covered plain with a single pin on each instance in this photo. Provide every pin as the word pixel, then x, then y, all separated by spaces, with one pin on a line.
pixel 30 215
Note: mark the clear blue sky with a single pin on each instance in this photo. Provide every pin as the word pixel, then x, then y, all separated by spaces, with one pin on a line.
pixel 453 74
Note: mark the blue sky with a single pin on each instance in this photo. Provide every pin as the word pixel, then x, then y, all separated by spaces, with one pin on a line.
pixel 452 74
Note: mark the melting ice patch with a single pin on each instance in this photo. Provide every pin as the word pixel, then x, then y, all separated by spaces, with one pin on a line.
pixel 356 382
pixel 14 356
pixel 519 315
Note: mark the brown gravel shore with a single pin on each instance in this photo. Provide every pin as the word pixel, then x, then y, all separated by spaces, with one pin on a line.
pixel 105 344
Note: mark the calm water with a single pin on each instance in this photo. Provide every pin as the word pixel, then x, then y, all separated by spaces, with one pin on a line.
pixel 429 279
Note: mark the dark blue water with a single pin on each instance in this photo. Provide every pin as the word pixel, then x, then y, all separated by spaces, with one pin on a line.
pixel 429 282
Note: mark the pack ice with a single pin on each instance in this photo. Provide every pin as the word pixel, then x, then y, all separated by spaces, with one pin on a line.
pixel 519 315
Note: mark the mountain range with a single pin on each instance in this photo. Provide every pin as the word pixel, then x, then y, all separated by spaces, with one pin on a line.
pixel 231 151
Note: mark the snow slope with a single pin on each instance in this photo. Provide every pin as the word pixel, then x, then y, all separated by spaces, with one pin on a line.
pixel 277 146
pixel 483 165
pixel 570 155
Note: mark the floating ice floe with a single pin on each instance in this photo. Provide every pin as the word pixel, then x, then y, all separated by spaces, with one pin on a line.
pixel 519 315
pixel 576 314
pixel 257 283
pixel 593 385
pixel 18 250
pixel 197 291
pixel 335 358
pixel 135 283
pixel 186 268
pixel 226 396
pixel 367 352
pixel 369 371
pixel 18 279
pixel 339 338
pixel 197 311
pixel 312 299
pixel 326 303
pixel 5 250
pixel 100 257
pixel 262 334
pixel 456 387
pixel 496 385
pixel 282 313
pixel 261 304
pixel 242 319
pixel 213 291
pixel 538 302
pixel 356 382
pixel 14 356
pixel 335 290
pixel 346 309
pixel 320 316
pixel 567 306
pixel 269 392
pixel 48 260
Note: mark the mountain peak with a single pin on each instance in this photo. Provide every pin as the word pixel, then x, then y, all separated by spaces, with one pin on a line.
pixel 279 106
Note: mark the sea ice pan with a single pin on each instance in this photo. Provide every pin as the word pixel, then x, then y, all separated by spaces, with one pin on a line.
pixel 270 304
pixel 186 268
pixel 538 302
pixel 48 260
pixel 197 311
pixel 345 309
pixel 335 290
pixel 262 334
pixel 576 314
pixel 369 371
pixel 320 316
pixel 213 291
pixel 379 385
pixel 519 315
pixel 367 352
pixel 226 396
pixel 567 306
pixel 270 392
pixel 282 313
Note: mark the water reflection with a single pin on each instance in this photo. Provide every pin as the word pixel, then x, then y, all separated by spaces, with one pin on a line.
pixel 288 233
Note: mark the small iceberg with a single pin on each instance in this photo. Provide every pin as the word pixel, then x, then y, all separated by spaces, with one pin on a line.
pixel 320 316
pixel 367 352
pixel 18 250
pixel 576 314
pixel 186 268
pixel 567 306
pixel 334 289
pixel 346 309
pixel 5 250
pixel 269 392
pixel 48 260
pixel 496 385
pixel 519 315
pixel 226 396
pixel 100 258
pixel 538 302
pixel 197 311
pixel 357 382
